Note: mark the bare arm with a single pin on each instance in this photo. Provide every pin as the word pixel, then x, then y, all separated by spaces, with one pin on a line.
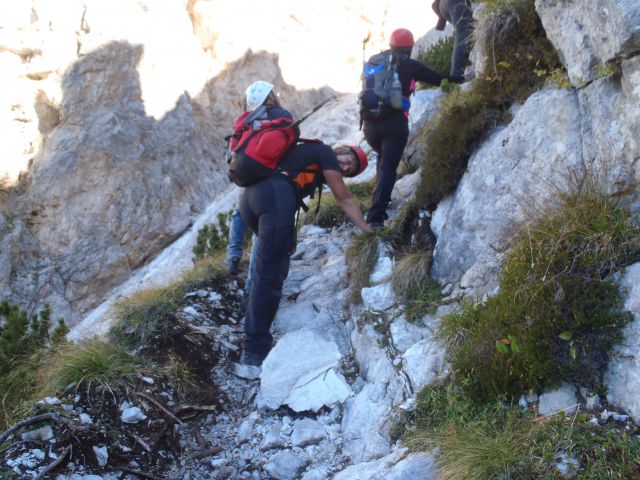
pixel 343 198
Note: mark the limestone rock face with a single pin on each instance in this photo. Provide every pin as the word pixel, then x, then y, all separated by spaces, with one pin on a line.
pixel 623 374
pixel 590 33
pixel 518 169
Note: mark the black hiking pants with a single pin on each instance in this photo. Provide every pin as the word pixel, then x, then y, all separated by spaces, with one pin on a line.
pixel 269 208
pixel 460 15
pixel 388 138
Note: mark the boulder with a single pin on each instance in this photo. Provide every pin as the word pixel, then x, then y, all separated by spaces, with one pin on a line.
pixel 302 371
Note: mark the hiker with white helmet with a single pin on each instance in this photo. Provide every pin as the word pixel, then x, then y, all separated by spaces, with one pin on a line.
pixel 261 100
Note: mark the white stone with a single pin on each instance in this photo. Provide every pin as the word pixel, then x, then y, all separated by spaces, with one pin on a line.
pixel 423 363
pixel 561 401
pixel 102 455
pixel 307 432
pixel 405 334
pixel 378 297
pixel 132 415
pixel 85 419
pixel 245 431
pixel 272 438
pixel 623 374
pixel 316 474
pixel 42 434
pixel 286 465
pixel 420 466
pixel 301 371
pixel 382 270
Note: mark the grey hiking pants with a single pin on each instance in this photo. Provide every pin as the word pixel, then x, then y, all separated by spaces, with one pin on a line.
pixel 460 15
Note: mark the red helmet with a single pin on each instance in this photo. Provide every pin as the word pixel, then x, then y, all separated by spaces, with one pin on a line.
pixel 363 160
pixel 401 37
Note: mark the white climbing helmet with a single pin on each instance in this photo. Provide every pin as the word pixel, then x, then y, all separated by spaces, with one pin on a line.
pixel 257 93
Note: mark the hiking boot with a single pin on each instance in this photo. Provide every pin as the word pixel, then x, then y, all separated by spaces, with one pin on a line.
pixel 234 266
pixel 253 359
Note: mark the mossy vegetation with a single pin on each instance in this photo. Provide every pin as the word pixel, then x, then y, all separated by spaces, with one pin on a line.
pixel 495 440
pixel 329 215
pixel 559 310
pixel 518 50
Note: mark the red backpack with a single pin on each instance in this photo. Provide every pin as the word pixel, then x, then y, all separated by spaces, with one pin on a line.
pixel 254 153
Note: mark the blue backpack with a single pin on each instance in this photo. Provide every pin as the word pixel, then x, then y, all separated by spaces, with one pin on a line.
pixel 381 91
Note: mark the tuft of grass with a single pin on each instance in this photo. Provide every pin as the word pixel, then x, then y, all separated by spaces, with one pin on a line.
pixel 497 440
pixel 182 377
pixel 84 366
pixel 329 215
pixel 520 60
pixel 362 255
pixel 412 283
pixel 559 308
pixel 438 56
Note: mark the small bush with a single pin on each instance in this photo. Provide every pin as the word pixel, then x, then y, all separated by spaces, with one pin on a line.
pixel 463 121
pixel 212 239
pixel 559 310
pixel 438 56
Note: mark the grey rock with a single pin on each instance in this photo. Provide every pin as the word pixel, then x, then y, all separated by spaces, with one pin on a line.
pixel 286 465
pixel 102 455
pixel 590 33
pixel 307 432
pixel 300 371
pixel 562 400
pixel 395 466
pixel 132 415
pixel 622 378
pixel 424 362
pixel 272 438
pixel 245 431
pixel 405 334
pixel 379 297
pixel 532 158
pixel 42 434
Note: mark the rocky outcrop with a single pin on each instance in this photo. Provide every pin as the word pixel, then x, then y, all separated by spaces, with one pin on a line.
pixel 590 33
pixel 517 171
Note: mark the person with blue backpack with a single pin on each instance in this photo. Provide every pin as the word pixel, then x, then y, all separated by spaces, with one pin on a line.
pixel 388 81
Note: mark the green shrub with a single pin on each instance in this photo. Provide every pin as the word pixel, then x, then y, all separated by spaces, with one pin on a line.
pixel 23 346
pixel 518 51
pixel 438 56
pixel 494 440
pixel 212 239
pixel 558 311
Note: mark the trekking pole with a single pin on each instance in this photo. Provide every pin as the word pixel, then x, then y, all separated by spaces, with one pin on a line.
pixel 365 40
pixel 313 110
